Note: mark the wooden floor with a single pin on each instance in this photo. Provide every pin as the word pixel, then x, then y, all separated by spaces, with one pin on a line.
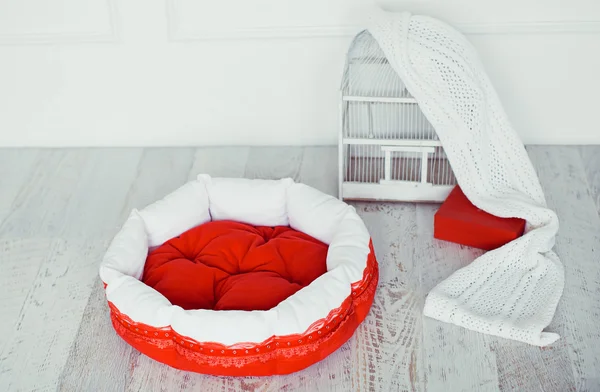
pixel 60 208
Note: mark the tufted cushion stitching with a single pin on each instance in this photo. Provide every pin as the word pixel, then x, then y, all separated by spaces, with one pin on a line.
pixel 242 266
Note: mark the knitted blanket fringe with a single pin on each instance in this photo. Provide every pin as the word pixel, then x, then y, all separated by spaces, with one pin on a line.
pixel 511 292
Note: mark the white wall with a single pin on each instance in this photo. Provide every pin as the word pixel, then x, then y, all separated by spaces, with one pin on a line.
pixel 199 72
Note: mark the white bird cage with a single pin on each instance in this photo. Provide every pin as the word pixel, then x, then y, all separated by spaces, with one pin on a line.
pixel 388 150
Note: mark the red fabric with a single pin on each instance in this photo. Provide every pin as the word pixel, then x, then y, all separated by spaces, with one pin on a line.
pixel 226 265
pixel 277 355
pixel 458 220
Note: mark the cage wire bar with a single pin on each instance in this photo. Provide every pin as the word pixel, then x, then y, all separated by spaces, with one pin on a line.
pixel 388 150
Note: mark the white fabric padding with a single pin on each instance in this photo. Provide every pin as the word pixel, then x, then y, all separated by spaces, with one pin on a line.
pixel 140 302
pixel 314 212
pixel 512 291
pixel 225 327
pixel 176 213
pixel 298 312
pixel 349 242
pixel 127 252
pixel 257 202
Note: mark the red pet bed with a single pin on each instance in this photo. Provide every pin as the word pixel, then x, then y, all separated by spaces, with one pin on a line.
pixel 209 281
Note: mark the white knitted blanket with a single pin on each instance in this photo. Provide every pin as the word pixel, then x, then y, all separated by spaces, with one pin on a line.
pixel 513 291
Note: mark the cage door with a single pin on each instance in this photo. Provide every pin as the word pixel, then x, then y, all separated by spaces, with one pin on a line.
pixel 406 164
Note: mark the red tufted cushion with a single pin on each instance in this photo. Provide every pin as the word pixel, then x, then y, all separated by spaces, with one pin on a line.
pixel 226 265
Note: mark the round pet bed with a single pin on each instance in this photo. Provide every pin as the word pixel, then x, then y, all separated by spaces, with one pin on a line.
pixel 240 277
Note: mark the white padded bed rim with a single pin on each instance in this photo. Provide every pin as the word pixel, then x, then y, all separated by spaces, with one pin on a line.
pixel 256 202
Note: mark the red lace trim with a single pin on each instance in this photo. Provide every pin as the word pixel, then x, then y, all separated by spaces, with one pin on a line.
pixel 241 354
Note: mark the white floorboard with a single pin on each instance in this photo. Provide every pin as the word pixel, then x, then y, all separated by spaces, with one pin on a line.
pixel 590 156
pixel 563 177
pixel 60 208
pixel 15 170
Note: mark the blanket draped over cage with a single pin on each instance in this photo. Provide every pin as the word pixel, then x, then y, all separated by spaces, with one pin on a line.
pixel 513 291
